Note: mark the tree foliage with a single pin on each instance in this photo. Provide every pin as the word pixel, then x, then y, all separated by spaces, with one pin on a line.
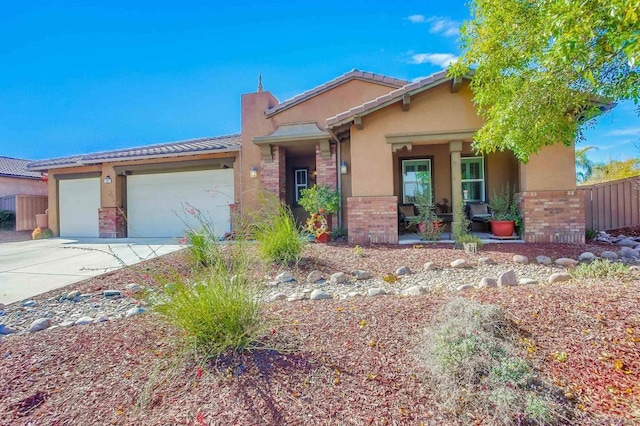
pixel 614 170
pixel 545 67
pixel 584 164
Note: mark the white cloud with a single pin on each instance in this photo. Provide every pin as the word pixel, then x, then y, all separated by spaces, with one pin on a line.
pixel 444 26
pixel 442 60
pixel 631 131
pixel 417 19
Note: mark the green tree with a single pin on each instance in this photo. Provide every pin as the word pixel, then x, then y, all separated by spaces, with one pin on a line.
pixel 584 164
pixel 544 68
pixel 614 170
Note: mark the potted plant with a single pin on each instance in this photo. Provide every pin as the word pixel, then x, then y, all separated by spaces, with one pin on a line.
pixel 504 213
pixel 320 202
pixel 427 221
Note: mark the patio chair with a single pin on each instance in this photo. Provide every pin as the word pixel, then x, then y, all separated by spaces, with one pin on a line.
pixel 479 215
pixel 405 213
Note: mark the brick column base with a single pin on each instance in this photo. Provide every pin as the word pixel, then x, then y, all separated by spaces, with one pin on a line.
pixel 273 174
pixel 113 223
pixel 552 216
pixel 373 220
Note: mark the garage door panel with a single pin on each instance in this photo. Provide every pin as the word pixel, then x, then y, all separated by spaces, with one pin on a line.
pixel 79 202
pixel 158 205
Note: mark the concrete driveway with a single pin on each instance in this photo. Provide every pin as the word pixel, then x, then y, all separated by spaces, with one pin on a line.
pixel 29 268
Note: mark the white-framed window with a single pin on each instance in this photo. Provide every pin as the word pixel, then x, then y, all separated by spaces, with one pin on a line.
pixel 472 169
pixel 412 173
pixel 301 181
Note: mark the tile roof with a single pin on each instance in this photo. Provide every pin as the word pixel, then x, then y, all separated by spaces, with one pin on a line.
pixel 190 146
pixel 351 75
pixel 389 98
pixel 16 167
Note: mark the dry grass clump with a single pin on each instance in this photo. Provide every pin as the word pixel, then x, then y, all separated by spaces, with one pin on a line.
pixel 602 268
pixel 476 371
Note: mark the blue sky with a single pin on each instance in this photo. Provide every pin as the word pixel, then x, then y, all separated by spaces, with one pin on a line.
pixel 77 77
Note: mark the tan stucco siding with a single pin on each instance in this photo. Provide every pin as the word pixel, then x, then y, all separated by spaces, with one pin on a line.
pixel 553 168
pixel 20 186
pixel 332 102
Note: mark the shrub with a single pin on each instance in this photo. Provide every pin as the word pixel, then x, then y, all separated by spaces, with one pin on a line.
pixel 41 233
pixel 7 219
pixel 590 234
pixel 462 223
pixel 468 238
pixel 274 228
pixel 338 233
pixel 602 268
pixel 474 367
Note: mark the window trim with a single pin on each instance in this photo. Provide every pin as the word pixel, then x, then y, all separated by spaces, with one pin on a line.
pixel 483 180
pixel 429 160
pixel 297 186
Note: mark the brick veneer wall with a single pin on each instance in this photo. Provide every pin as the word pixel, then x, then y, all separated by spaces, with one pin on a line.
pixel 112 222
pixel 326 169
pixel 273 175
pixel 552 216
pixel 373 220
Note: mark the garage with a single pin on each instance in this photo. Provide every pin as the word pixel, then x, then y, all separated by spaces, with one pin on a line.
pixel 79 201
pixel 159 204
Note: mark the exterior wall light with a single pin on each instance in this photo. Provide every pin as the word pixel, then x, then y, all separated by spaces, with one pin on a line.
pixel 343 168
pixel 107 179
pixel 253 173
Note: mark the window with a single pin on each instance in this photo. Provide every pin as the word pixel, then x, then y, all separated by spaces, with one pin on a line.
pixel 301 181
pixel 412 173
pixel 473 178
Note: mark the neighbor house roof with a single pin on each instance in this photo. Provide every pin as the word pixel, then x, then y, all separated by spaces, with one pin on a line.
pixel 351 75
pixel 191 146
pixel 390 98
pixel 16 167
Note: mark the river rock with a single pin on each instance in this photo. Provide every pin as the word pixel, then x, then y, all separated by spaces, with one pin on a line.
pixel 508 279
pixel 415 290
pixel 629 252
pixel 429 266
pixel 361 275
pixel 403 270
pixel 134 311
pixel 488 282
pixel 83 321
pixel 486 261
pixel 112 293
pixel 134 289
pixel 543 260
pixel 627 242
pixel 40 324
pixel 566 262
pixel 285 277
pixel 609 255
pixel 376 291
pixel 4 330
pixel 587 256
pixel 459 264
pixel 559 277
pixel 338 278
pixel 319 295
pixel 314 277
pixel 464 287
pixel 518 258
pixel 527 281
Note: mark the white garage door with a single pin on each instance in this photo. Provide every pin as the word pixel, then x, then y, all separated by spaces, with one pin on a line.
pixel 158 204
pixel 79 201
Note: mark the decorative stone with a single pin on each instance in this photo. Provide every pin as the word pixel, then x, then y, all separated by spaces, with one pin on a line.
pixel 285 277
pixel 314 277
pixel 487 282
pixel 415 290
pixel 464 287
pixel 508 279
pixel 361 275
pixel 566 262
pixel 459 264
pixel 296 297
pixel 627 242
pixel 353 294
pixel 4 330
pixel 134 311
pixel 429 266
pixel 134 289
pixel 518 258
pixel 527 281
pixel 319 295
pixel 112 293
pixel 83 321
pixel 629 252
pixel 2 306
pixel 68 323
pixel 609 255
pixel 559 277
pixel 40 324
pixel 29 303
pixel 73 294
pixel 338 278
pixel 486 261
pixel 101 318
pixel 278 296
pixel 403 270
pixel 634 268
pixel 543 260
pixel 372 292
pixel 587 256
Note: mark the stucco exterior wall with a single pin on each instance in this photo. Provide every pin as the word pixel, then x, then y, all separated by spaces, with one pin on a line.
pixel 21 186
pixel 552 169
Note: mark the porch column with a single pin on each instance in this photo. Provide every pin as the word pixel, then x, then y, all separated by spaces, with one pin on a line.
pixel 455 147
pixel 274 173
pixel 326 165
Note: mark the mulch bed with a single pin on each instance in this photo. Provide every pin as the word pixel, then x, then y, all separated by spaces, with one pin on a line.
pixel 348 362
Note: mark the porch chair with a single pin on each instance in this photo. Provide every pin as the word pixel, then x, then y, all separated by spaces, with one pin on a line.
pixel 405 213
pixel 479 215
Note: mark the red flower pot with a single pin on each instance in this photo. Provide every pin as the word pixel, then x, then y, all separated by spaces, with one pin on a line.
pixel 503 228
pixel 323 238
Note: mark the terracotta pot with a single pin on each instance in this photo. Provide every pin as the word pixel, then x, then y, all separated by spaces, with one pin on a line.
pixel 42 220
pixel 323 238
pixel 503 228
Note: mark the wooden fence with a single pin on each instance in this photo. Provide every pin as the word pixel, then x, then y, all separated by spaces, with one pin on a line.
pixel 612 205
pixel 25 207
